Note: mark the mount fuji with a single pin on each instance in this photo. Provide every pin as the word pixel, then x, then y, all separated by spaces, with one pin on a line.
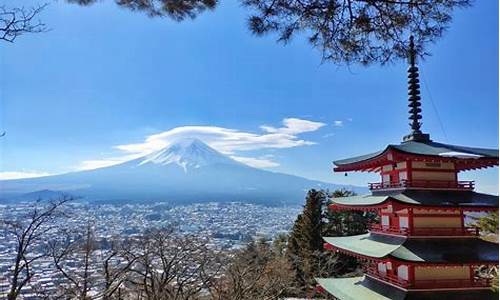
pixel 187 171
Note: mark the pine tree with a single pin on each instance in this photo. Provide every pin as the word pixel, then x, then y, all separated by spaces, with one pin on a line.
pixel 346 223
pixel 488 225
pixel 305 243
pixel 294 254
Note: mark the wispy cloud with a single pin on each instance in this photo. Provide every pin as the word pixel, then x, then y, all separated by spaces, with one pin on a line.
pixel 226 140
pixel 21 174
pixel 338 123
pixel 99 163
pixel 257 162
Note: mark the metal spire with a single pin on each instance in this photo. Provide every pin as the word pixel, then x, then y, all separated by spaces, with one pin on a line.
pixel 414 97
pixel 414 91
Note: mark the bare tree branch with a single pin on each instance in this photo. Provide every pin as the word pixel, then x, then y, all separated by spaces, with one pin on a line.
pixel 17 21
pixel 28 233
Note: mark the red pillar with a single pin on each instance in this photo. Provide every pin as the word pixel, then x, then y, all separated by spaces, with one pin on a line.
pixel 471 273
pixel 409 171
pixel 462 220
pixel 410 221
pixel 411 275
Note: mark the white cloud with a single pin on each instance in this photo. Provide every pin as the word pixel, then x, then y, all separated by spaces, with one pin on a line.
pixel 101 163
pixel 260 162
pixel 338 123
pixel 294 126
pixel 21 174
pixel 96 164
pixel 226 140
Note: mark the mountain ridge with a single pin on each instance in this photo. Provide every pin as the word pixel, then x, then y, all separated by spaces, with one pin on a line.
pixel 186 171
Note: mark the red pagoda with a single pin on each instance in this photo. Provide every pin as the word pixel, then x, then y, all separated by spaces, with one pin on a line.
pixel 422 247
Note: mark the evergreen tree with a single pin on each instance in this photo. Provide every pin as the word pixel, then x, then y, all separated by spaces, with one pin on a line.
pixel 305 243
pixel 488 225
pixel 346 223
pixel 294 254
pixel 312 221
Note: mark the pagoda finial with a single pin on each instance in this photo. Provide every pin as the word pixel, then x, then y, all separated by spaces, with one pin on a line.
pixel 414 97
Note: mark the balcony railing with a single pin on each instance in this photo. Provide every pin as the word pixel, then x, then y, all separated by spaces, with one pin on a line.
pixel 434 231
pixel 433 184
pixel 446 231
pixel 372 271
pixel 451 283
pixel 428 284
pixel 388 229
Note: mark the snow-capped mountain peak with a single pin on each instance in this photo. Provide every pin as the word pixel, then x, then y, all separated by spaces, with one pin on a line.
pixel 188 154
pixel 186 171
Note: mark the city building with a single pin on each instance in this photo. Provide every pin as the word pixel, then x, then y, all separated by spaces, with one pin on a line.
pixel 422 247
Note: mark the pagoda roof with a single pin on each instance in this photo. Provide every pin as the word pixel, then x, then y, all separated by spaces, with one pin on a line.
pixel 453 250
pixel 371 245
pixel 422 250
pixel 355 288
pixel 420 198
pixel 482 157
pixel 365 287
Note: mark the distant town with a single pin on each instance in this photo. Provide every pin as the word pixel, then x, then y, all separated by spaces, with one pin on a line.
pixel 225 225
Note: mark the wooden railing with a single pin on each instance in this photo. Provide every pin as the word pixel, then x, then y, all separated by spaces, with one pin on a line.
pixel 435 184
pixel 434 231
pixel 387 277
pixel 446 231
pixel 428 284
pixel 451 283
pixel 388 229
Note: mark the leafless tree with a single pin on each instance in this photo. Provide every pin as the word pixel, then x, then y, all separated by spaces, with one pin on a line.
pixel 17 21
pixel 29 233
pixel 77 249
pixel 256 272
pixel 170 266
pixel 99 273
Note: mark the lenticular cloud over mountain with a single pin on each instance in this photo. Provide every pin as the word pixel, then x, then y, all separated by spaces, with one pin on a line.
pixel 186 171
pixel 188 154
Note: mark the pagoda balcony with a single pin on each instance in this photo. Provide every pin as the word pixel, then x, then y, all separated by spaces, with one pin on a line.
pixel 379 228
pixel 452 283
pixel 428 284
pixel 434 231
pixel 423 184
pixel 386 277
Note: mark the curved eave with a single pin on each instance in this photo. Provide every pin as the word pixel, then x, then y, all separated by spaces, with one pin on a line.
pixel 352 288
pixel 372 162
pixel 364 202
pixel 455 251
pixel 365 287
pixel 448 251
pixel 408 199
pixel 365 246
pixel 369 162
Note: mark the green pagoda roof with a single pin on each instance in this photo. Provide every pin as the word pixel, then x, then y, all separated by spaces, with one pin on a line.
pixel 422 197
pixel 366 288
pixel 377 246
pixel 428 250
pixel 353 289
pixel 427 148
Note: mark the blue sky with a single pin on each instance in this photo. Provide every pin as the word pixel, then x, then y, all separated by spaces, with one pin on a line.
pixel 106 84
